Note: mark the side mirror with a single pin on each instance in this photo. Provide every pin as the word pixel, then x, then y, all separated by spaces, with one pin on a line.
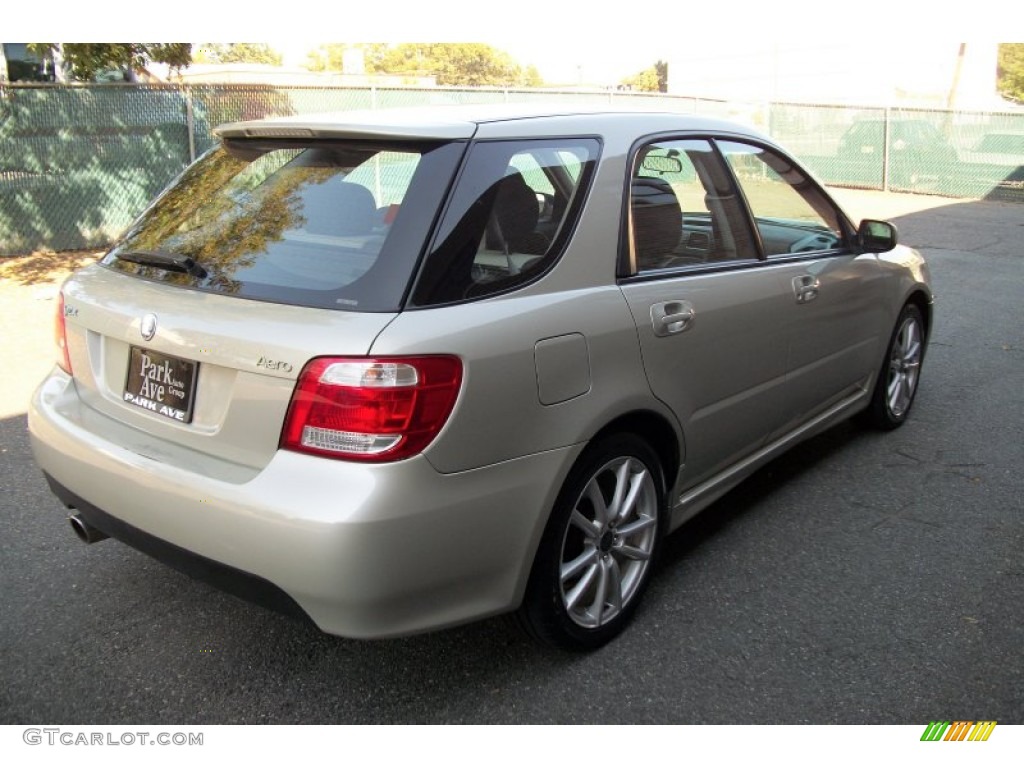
pixel 876 236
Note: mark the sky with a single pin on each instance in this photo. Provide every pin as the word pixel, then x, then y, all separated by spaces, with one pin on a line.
pixel 567 40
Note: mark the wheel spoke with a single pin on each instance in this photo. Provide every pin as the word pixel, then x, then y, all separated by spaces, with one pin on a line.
pixel 593 493
pixel 621 486
pixel 577 592
pixel 571 569
pixel 630 552
pixel 600 593
pixel 894 386
pixel 636 485
pixel 638 525
pixel 589 527
pixel 902 342
pixel 614 584
pixel 896 396
pixel 911 353
pixel 910 377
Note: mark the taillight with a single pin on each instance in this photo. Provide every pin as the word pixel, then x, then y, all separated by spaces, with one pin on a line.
pixel 60 337
pixel 371 409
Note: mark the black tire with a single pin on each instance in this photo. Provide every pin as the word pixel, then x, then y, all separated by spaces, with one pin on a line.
pixel 899 374
pixel 588 577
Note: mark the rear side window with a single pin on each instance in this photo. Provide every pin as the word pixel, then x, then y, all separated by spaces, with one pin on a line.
pixel 328 224
pixel 510 216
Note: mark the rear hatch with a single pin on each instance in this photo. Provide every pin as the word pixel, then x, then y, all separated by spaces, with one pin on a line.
pixel 217 374
pixel 264 254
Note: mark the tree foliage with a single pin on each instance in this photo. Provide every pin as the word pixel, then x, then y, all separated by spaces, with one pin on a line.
pixel 458 64
pixel 450 63
pixel 531 77
pixel 653 79
pixel 331 57
pixel 211 216
pixel 645 80
pixel 87 60
pixel 237 53
pixel 1010 74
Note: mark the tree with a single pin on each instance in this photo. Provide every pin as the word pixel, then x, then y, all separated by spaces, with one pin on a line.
pixel 531 77
pixel 661 67
pixel 330 57
pixel 646 80
pixel 1010 72
pixel 237 53
pixel 87 60
pixel 458 64
pixel 326 58
pixel 654 78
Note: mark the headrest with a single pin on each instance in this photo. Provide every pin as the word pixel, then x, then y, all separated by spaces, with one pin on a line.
pixel 657 220
pixel 339 208
pixel 517 210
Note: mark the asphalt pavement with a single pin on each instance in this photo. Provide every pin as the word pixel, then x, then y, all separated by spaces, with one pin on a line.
pixel 861 578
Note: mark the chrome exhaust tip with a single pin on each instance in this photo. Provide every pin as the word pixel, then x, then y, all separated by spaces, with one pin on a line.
pixel 84 531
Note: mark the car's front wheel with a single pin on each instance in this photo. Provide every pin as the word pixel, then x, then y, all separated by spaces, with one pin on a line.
pixel 900 372
pixel 598 550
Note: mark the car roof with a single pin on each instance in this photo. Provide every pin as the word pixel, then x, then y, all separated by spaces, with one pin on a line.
pixel 464 121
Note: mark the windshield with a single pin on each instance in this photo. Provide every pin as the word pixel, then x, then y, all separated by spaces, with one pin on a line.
pixel 323 224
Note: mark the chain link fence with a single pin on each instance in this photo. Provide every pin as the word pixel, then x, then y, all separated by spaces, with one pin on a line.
pixel 956 154
pixel 79 163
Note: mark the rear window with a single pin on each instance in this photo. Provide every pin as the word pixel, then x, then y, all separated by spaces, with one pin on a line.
pixel 327 224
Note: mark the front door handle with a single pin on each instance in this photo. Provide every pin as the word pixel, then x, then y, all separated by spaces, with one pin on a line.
pixel 806 287
pixel 671 317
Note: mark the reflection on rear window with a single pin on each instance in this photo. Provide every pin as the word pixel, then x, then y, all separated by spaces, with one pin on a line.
pixel 309 225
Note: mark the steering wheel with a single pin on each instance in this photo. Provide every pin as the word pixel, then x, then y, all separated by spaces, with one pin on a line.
pixel 815 242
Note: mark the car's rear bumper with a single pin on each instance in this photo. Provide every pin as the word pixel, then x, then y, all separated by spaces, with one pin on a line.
pixel 364 550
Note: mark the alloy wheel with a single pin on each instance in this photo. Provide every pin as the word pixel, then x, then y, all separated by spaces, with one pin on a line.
pixel 609 542
pixel 904 367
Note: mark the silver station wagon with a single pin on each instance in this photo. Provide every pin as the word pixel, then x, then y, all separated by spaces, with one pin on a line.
pixel 396 371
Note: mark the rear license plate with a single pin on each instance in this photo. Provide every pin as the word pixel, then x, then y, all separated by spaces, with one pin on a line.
pixel 162 384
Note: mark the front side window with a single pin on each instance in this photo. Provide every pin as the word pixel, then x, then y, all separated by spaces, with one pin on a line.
pixel 323 224
pixel 684 210
pixel 510 217
pixel 791 213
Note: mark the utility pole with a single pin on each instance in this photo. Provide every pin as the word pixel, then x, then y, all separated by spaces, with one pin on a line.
pixel 947 122
pixel 951 99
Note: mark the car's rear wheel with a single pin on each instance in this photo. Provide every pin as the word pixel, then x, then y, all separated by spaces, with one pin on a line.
pixel 599 547
pixel 897 380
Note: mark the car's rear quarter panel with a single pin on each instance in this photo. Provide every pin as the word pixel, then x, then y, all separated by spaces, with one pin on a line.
pixel 499 414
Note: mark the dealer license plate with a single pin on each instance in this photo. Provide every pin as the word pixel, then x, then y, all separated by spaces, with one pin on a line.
pixel 162 384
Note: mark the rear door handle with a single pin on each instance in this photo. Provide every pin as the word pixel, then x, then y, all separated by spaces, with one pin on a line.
pixel 669 317
pixel 806 287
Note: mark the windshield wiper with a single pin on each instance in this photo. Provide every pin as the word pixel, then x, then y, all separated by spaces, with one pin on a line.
pixel 173 262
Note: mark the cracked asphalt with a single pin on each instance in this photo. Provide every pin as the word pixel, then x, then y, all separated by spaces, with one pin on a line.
pixel 862 578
